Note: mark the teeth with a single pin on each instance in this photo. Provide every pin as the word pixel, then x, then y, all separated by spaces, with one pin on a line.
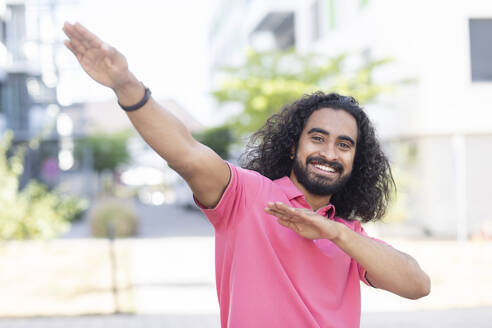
pixel 324 168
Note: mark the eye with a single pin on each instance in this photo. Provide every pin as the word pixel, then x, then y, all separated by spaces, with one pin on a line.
pixel 317 138
pixel 344 145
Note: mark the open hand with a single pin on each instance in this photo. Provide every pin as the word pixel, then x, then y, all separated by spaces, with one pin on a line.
pixel 304 222
pixel 102 62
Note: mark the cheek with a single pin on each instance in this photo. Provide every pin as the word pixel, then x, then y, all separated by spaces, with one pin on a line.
pixel 349 162
pixel 303 151
pixel 309 149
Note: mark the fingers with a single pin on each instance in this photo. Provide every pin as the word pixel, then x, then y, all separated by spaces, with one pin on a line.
pixel 282 208
pixel 68 29
pixel 282 211
pixel 273 207
pixel 286 224
pixel 90 39
pixel 71 47
pixel 72 33
pixel 86 46
pixel 81 38
pixel 75 46
pixel 279 206
pixel 286 212
pixel 274 213
pixel 74 43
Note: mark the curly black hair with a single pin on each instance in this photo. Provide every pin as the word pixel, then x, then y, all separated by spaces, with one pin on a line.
pixel 365 195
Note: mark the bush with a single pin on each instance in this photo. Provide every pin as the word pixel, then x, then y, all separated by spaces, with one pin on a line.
pixel 33 212
pixel 116 213
pixel 71 207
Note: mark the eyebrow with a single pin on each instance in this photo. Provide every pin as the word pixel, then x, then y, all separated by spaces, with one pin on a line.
pixel 322 131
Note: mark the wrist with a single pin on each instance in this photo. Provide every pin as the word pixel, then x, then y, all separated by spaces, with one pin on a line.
pixel 129 92
pixel 337 232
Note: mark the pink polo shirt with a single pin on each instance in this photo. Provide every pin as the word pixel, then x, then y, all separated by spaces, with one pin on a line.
pixel 267 275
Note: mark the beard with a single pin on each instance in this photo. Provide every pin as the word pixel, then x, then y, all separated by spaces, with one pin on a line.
pixel 318 184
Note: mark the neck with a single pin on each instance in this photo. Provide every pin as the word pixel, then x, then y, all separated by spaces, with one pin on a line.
pixel 315 201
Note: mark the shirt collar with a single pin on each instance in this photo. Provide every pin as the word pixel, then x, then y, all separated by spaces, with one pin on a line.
pixel 288 187
pixel 292 192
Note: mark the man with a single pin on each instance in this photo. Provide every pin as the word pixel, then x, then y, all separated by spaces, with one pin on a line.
pixel 283 258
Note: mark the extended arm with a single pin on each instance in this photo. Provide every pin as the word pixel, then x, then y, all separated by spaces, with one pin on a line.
pixel 205 172
pixel 387 268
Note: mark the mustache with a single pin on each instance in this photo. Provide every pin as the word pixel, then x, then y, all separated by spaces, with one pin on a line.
pixel 337 166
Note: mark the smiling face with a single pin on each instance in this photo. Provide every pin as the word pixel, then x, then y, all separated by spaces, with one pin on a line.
pixel 325 153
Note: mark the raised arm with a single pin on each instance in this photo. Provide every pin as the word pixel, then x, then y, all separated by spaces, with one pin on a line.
pixel 204 171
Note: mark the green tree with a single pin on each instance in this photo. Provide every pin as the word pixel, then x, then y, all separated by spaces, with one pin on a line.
pixel 218 138
pixel 269 80
pixel 108 150
pixel 33 212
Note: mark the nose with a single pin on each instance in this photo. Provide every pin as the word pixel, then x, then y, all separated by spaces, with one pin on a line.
pixel 330 153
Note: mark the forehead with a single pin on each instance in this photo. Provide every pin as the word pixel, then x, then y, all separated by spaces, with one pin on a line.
pixel 337 122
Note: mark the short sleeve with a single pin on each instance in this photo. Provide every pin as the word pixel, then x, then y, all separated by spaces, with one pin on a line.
pixel 242 186
pixel 362 271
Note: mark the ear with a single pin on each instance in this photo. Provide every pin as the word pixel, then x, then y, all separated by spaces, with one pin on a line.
pixel 292 152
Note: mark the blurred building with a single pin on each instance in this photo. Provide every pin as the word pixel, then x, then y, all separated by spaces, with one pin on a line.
pixel 239 24
pixel 439 128
pixel 29 77
pixel 107 116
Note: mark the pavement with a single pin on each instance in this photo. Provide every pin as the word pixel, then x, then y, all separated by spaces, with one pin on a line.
pixel 451 318
pixel 480 317
pixel 110 321
pixel 173 283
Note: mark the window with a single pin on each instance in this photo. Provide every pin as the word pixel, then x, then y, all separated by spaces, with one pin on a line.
pixel 481 49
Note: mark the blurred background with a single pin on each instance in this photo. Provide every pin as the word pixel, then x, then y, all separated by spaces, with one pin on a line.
pixel 95 229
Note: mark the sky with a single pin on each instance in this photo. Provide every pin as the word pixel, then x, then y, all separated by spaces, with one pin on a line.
pixel 165 43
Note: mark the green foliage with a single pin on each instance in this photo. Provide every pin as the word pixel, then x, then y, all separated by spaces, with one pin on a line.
pixel 219 139
pixel 33 212
pixel 115 213
pixel 267 81
pixel 71 207
pixel 108 150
